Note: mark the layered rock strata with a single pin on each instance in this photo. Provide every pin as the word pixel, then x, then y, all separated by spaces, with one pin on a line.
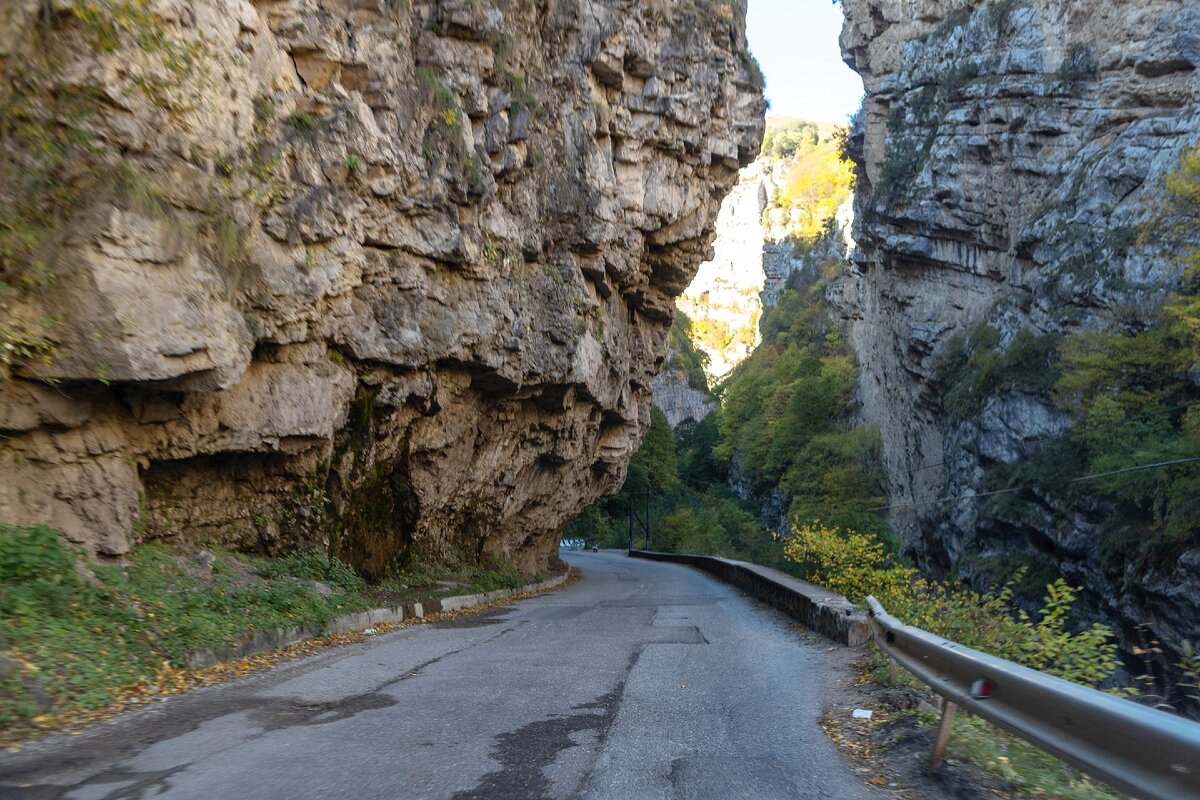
pixel 1009 153
pixel 678 399
pixel 394 276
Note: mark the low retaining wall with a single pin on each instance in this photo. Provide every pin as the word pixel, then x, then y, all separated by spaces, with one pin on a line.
pixel 816 608
pixel 277 638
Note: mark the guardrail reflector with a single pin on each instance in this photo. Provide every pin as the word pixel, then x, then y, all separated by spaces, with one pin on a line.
pixel 981 689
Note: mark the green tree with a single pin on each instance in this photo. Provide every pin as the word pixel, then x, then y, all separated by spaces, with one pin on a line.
pixel 685 358
pixel 787 140
pixel 655 466
pixel 1132 393
pixel 784 415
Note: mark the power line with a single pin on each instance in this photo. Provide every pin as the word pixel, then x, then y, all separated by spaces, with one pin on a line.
pixel 1135 469
pixel 1014 489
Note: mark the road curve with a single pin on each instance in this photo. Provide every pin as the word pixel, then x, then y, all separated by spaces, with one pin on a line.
pixel 640 680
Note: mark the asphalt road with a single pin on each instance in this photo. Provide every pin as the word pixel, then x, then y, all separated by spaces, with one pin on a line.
pixel 640 680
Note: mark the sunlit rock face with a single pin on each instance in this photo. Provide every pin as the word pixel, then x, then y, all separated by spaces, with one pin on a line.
pixel 1008 153
pixel 395 276
pixel 760 244
pixel 723 300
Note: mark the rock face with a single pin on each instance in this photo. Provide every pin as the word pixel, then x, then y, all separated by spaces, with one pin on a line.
pixel 678 400
pixel 724 297
pixel 395 276
pixel 722 302
pixel 1008 152
pixel 755 253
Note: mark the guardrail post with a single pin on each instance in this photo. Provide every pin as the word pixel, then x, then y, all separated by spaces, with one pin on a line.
pixel 938 754
pixel 892 671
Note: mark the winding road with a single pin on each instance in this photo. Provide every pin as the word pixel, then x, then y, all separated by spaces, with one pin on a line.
pixel 639 680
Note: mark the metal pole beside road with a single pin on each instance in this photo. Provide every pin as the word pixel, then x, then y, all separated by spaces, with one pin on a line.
pixel 648 524
pixel 630 521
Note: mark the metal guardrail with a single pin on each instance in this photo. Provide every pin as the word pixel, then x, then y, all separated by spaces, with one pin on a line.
pixel 1148 753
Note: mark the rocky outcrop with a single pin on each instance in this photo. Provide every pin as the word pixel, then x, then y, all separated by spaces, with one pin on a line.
pixel 757 251
pixel 390 275
pixel 1008 153
pixel 678 399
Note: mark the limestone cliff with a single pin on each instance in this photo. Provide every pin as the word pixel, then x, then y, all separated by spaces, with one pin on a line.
pixel 721 306
pixel 392 275
pixel 765 234
pixel 723 299
pixel 1009 152
pixel 678 399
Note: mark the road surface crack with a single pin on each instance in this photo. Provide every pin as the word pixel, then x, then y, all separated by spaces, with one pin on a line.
pixel 525 752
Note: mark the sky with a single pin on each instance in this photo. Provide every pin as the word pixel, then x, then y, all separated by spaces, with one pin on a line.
pixel 796 42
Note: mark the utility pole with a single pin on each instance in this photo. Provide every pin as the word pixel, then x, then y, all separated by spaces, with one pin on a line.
pixel 631 520
pixel 647 519
pixel 644 524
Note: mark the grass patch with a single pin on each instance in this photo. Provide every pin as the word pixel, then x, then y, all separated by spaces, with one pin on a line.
pixel 81 641
pixel 426 581
pixel 1000 14
pixel 303 122
pixel 70 644
pixel 1034 772
pixel 953 22
pixel 1080 65
pixel 517 87
pixel 1027 771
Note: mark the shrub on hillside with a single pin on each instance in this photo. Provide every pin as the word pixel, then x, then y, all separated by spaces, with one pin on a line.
pixel 857 565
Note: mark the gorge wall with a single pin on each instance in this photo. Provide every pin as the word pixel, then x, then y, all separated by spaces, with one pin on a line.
pixel 723 300
pixel 789 215
pixel 1010 153
pixel 721 307
pixel 392 276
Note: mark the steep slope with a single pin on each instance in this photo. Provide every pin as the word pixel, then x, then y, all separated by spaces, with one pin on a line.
pixel 393 276
pixel 1011 158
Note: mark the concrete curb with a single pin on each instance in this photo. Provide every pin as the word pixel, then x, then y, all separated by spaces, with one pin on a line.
pixel 816 608
pixel 277 638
